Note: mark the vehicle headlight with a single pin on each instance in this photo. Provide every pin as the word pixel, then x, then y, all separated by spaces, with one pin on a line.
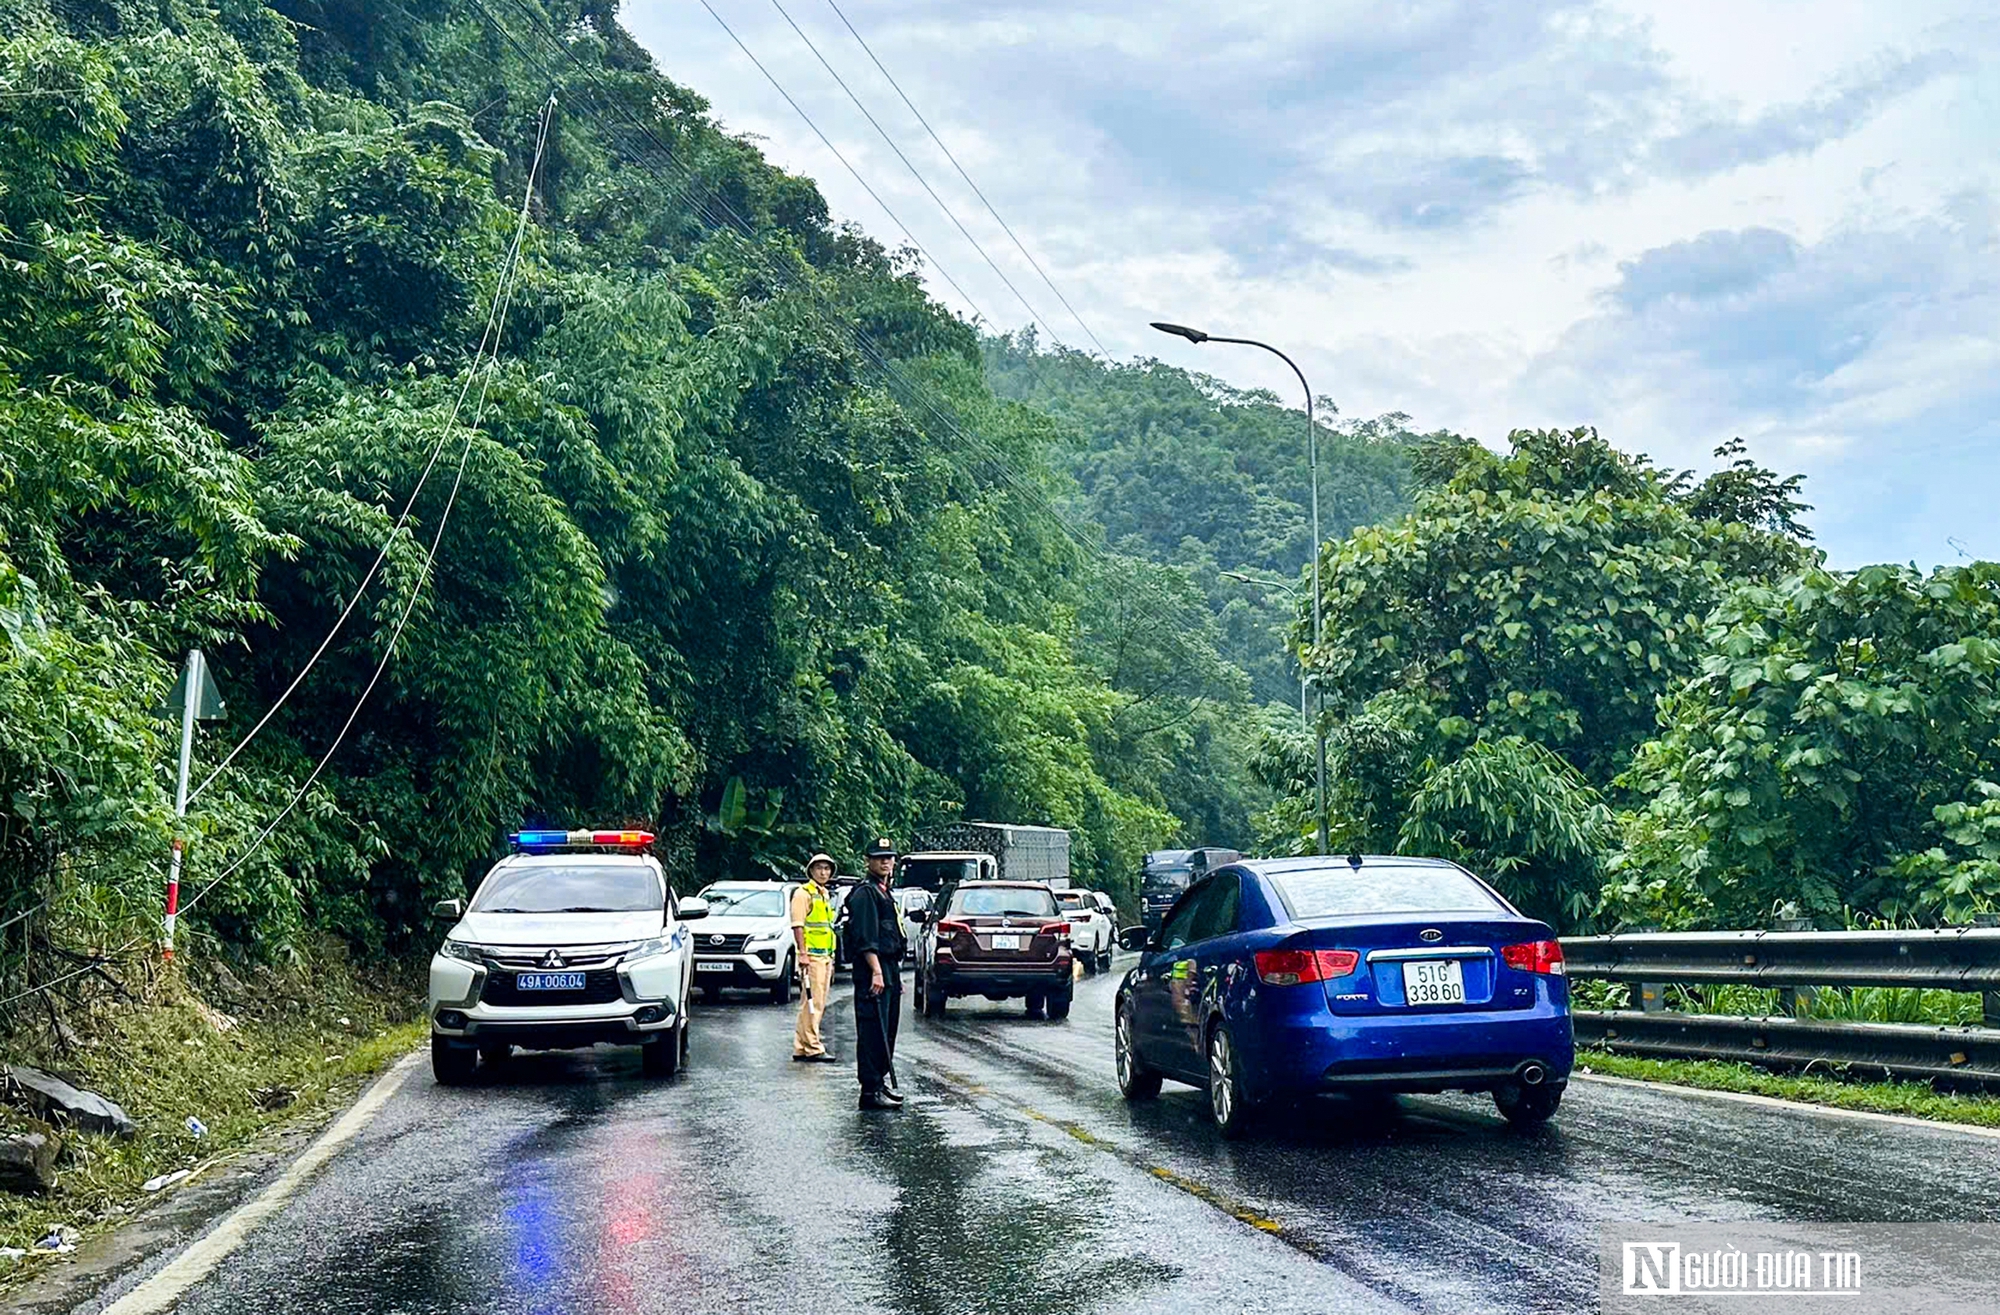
pixel 764 938
pixel 465 950
pixel 648 949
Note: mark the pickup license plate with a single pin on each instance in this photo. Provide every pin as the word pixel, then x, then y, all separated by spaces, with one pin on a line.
pixel 714 967
pixel 548 981
pixel 1433 982
pixel 1006 942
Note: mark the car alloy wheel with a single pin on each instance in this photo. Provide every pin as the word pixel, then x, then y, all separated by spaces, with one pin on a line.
pixel 1135 1081
pixel 1225 1085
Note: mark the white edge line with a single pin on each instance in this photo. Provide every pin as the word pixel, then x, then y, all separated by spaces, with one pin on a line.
pixel 201 1259
pixel 1793 1106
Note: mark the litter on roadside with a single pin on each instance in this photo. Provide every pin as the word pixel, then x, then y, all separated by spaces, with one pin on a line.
pixel 196 1126
pixel 166 1180
pixel 58 1242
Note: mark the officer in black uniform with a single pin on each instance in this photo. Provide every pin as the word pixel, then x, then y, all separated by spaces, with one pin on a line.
pixel 875 945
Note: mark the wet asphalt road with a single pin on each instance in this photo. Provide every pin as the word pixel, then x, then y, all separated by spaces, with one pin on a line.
pixel 1017 1182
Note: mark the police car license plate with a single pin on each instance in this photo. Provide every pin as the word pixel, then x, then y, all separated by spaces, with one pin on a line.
pixel 1433 982
pixel 548 981
pixel 701 967
pixel 1006 942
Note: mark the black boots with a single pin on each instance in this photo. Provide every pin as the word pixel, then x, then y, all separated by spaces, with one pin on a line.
pixel 879 1100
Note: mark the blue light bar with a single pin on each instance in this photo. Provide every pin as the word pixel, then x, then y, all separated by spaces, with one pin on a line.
pixel 621 840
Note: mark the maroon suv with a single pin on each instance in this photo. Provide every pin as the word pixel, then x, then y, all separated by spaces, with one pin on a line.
pixel 1005 940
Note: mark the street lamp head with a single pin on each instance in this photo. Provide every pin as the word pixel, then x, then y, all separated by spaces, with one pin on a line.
pixel 1181 331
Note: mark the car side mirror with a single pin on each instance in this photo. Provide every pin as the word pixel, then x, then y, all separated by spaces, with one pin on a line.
pixel 692 908
pixel 449 908
pixel 1134 938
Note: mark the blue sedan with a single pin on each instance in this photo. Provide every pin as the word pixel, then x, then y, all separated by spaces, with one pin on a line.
pixel 1366 976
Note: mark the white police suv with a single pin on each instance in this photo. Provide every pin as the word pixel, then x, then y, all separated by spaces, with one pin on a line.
pixel 574 939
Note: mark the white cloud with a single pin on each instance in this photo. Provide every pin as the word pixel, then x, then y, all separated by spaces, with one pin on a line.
pixel 1677 219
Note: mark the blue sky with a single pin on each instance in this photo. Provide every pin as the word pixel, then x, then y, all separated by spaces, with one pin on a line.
pixel 1678 220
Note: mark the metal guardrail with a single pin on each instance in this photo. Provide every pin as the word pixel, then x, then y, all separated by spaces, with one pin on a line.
pixel 1952 1056
pixel 1961 959
pixel 1795 963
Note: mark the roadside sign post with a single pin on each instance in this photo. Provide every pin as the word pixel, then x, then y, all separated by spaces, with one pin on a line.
pixel 197 700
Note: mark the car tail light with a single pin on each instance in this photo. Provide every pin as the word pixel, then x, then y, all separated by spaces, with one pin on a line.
pixel 1055 929
pixel 949 928
pixel 1336 963
pixel 1292 967
pixel 1286 967
pixel 1535 957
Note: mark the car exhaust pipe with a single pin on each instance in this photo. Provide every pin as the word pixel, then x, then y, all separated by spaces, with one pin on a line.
pixel 1532 1075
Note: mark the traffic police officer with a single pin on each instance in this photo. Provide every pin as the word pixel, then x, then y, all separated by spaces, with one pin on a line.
pixel 875 943
pixel 812 936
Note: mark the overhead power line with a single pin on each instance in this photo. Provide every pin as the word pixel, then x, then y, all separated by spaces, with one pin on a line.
pixel 1005 227
pixel 828 143
pixel 915 173
pixel 497 320
pixel 503 301
pixel 913 395
pixel 490 333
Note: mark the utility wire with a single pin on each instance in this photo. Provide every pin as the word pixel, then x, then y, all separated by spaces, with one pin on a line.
pixel 497 317
pixel 91 967
pixel 490 333
pixel 1005 227
pixel 1033 314
pixel 915 395
pixel 826 142
pixel 504 297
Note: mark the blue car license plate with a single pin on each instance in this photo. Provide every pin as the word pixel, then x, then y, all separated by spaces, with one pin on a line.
pixel 548 981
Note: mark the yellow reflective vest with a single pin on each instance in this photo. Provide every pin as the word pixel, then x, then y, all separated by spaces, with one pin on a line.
pixel 819 920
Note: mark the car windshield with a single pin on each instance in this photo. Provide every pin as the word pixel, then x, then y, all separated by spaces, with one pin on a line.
pixel 935 873
pixel 1335 891
pixel 580 888
pixel 1004 901
pixel 1166 881
pixel 744 902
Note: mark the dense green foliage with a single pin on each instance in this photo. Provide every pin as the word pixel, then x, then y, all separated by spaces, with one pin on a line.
pixel 1836 750
pixel 1495 657
pixel 1638 699
pixel 751 542
pixel 1184 469
pixel 740 544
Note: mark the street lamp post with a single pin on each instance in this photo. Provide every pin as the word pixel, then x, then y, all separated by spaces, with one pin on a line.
pixel 1312 459
pixel 1305 717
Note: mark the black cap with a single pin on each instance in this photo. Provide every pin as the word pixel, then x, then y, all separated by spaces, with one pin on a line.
pixel 882 848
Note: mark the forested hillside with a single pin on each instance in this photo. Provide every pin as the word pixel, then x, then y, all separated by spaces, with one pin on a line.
pixel 1183 468
pixel 731 538
pixel 532 451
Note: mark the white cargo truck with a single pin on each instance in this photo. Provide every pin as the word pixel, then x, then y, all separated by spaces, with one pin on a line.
pixel 988 851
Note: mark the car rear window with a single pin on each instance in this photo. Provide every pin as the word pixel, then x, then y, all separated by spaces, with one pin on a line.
pixel 569 888
pixel 985 901
pixel 1073 901
pixel 1335 891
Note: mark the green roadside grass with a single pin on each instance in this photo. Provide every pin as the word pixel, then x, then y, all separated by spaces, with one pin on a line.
pixel 1917 1100
pixel 312 1039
